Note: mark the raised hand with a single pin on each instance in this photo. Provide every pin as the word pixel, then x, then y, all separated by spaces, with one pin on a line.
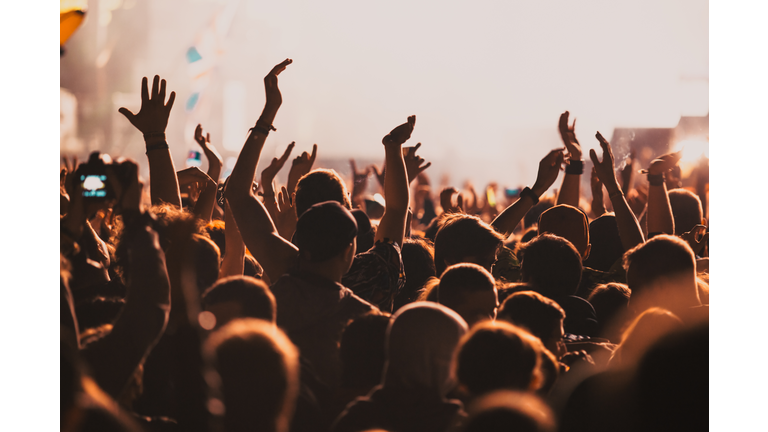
pixel 274 97
pixel 447 202
pixel 664 163
pixel 270 172
pixel 598 208
pixel 569 137
pixel 549 167
pixel 205 143
pixel 359 180
pixel 285 216
pixel 152 118
pixel 604 169
pixel 413 163
pixel 300 166
pixel 627 171
pixel 380 175
pixel 400 134
pixel 697 237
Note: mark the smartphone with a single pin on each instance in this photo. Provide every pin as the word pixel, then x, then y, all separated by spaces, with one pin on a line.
pixel 194 159
pixel 94 185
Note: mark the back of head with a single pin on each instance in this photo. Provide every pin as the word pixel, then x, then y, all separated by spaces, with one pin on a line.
pixel 611 303
pixel 324 231
pixel 258 368
pixel 318 186
pixel 646 329
pixel 215 230
pixel 362 350
pixel 504 410
pixel 606 244
pixel 666 259
pixel 421 339
pixel 541 316
pixel 207 261
pixel 686 210
pixel 552 265
pixel 419 265
pixel 499 355
pixel 240 297
pixel 465 238
pixel 470 291
pixel 569 223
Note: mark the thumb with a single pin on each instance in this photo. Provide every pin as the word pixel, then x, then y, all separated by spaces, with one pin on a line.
pixel 128 114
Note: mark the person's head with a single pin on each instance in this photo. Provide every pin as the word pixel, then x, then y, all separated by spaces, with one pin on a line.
pixel 326 235
pixel 421 339
pixel 258 367
pixel 505 410
pixel 215 230
pixel 606 244
pixel 644 330
pixel 498 355
pixel 686 210
pixel 362 351
pixel 419 264
pixel 470 291
pixel 532 217
pixel 318 186
pixel 541 316
pixel 611 303
pixel 365 232
pixel 240 297
pixel 207 260
pixel 552 265
pixel 466 239
pixel 569 223
pixel 662 272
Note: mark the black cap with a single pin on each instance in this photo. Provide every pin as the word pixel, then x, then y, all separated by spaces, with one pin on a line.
pixel 324 230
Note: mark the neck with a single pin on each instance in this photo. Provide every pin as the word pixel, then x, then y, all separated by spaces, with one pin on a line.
pixel 328 269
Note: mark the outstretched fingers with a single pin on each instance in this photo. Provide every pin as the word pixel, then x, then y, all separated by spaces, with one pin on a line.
pixel 280 67
pixel 155 87
pixel 144 90
pixel 171 98
pixel 314 154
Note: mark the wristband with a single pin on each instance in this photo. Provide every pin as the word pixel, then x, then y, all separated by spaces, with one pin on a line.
pixel 529 193
pixel 157 146
pixel 151 135
pixel 263 128
pixel 656 179
pixel 575 167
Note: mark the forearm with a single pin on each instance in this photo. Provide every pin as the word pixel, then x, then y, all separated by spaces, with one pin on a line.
pixel 598 207
pixel 660 218
pixel 629 229
pixel 392 224
pixel 163 183
pixel 232 264
pixel 507 220
pixel 570 190
pixel 206 201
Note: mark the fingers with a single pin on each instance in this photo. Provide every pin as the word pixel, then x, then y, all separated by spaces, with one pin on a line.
pixel 155 86
pixel 412 120
pixel 280 67
pixel 208 137
pixel 144 90
pixel 127 113
pixel 171 98
pixel 593 156
pixel 162 91
pixel 416 147
pixel 199 133
pixel 429 164
pixel 354 167
pixel 560 159
pixel 287 152
pixel 314 154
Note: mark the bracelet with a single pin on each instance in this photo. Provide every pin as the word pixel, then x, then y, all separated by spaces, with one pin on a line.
pixel 154 135
pixel 575 167
pixel 157 146
pixel 656 179
pixel 529 193
pixel 263 128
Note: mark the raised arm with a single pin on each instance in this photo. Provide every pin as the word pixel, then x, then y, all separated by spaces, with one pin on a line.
pixel 392 225
pixel 268 177
pixel 660 220
pixel 571 188
pixel 151 120
pixel 274 253
pixel 598 207
pixel 414 164
pixel 629 229
pixel 300 166
pixel 549 167
pixel 359 185
pixel 207 199
pixel 232 263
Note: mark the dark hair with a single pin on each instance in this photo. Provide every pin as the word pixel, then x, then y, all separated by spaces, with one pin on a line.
pixel 498 355
pixel 324 231
pixel 207 262
pixel 419 264
pixel 532 217
pixel 318 186
pixel 361 350
pixel 606 244
pixel 464 236
pixel 215 229
pixel 460 279
pixel 568 222
pixel 259 370
pixel 253 295
pixel 503 411
pixel 610 301
pixel 552 265
pixel 663 255
pixel 534 312
pixel 686 210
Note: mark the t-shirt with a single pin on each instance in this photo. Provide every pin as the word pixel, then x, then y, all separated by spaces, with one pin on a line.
pixel 313 312
pixel 377 275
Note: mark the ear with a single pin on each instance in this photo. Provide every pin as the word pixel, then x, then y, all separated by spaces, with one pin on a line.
pixel 586 252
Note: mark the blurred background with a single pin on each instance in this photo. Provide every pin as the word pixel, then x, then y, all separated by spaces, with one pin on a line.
pixel 487 80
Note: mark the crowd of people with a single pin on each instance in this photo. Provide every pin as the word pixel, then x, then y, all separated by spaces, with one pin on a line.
pixel 207 304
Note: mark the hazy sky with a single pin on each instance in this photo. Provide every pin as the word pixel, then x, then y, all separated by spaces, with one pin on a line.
pixel 487 80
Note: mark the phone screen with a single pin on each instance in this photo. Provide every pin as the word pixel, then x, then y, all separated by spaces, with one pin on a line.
pixel 94 185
